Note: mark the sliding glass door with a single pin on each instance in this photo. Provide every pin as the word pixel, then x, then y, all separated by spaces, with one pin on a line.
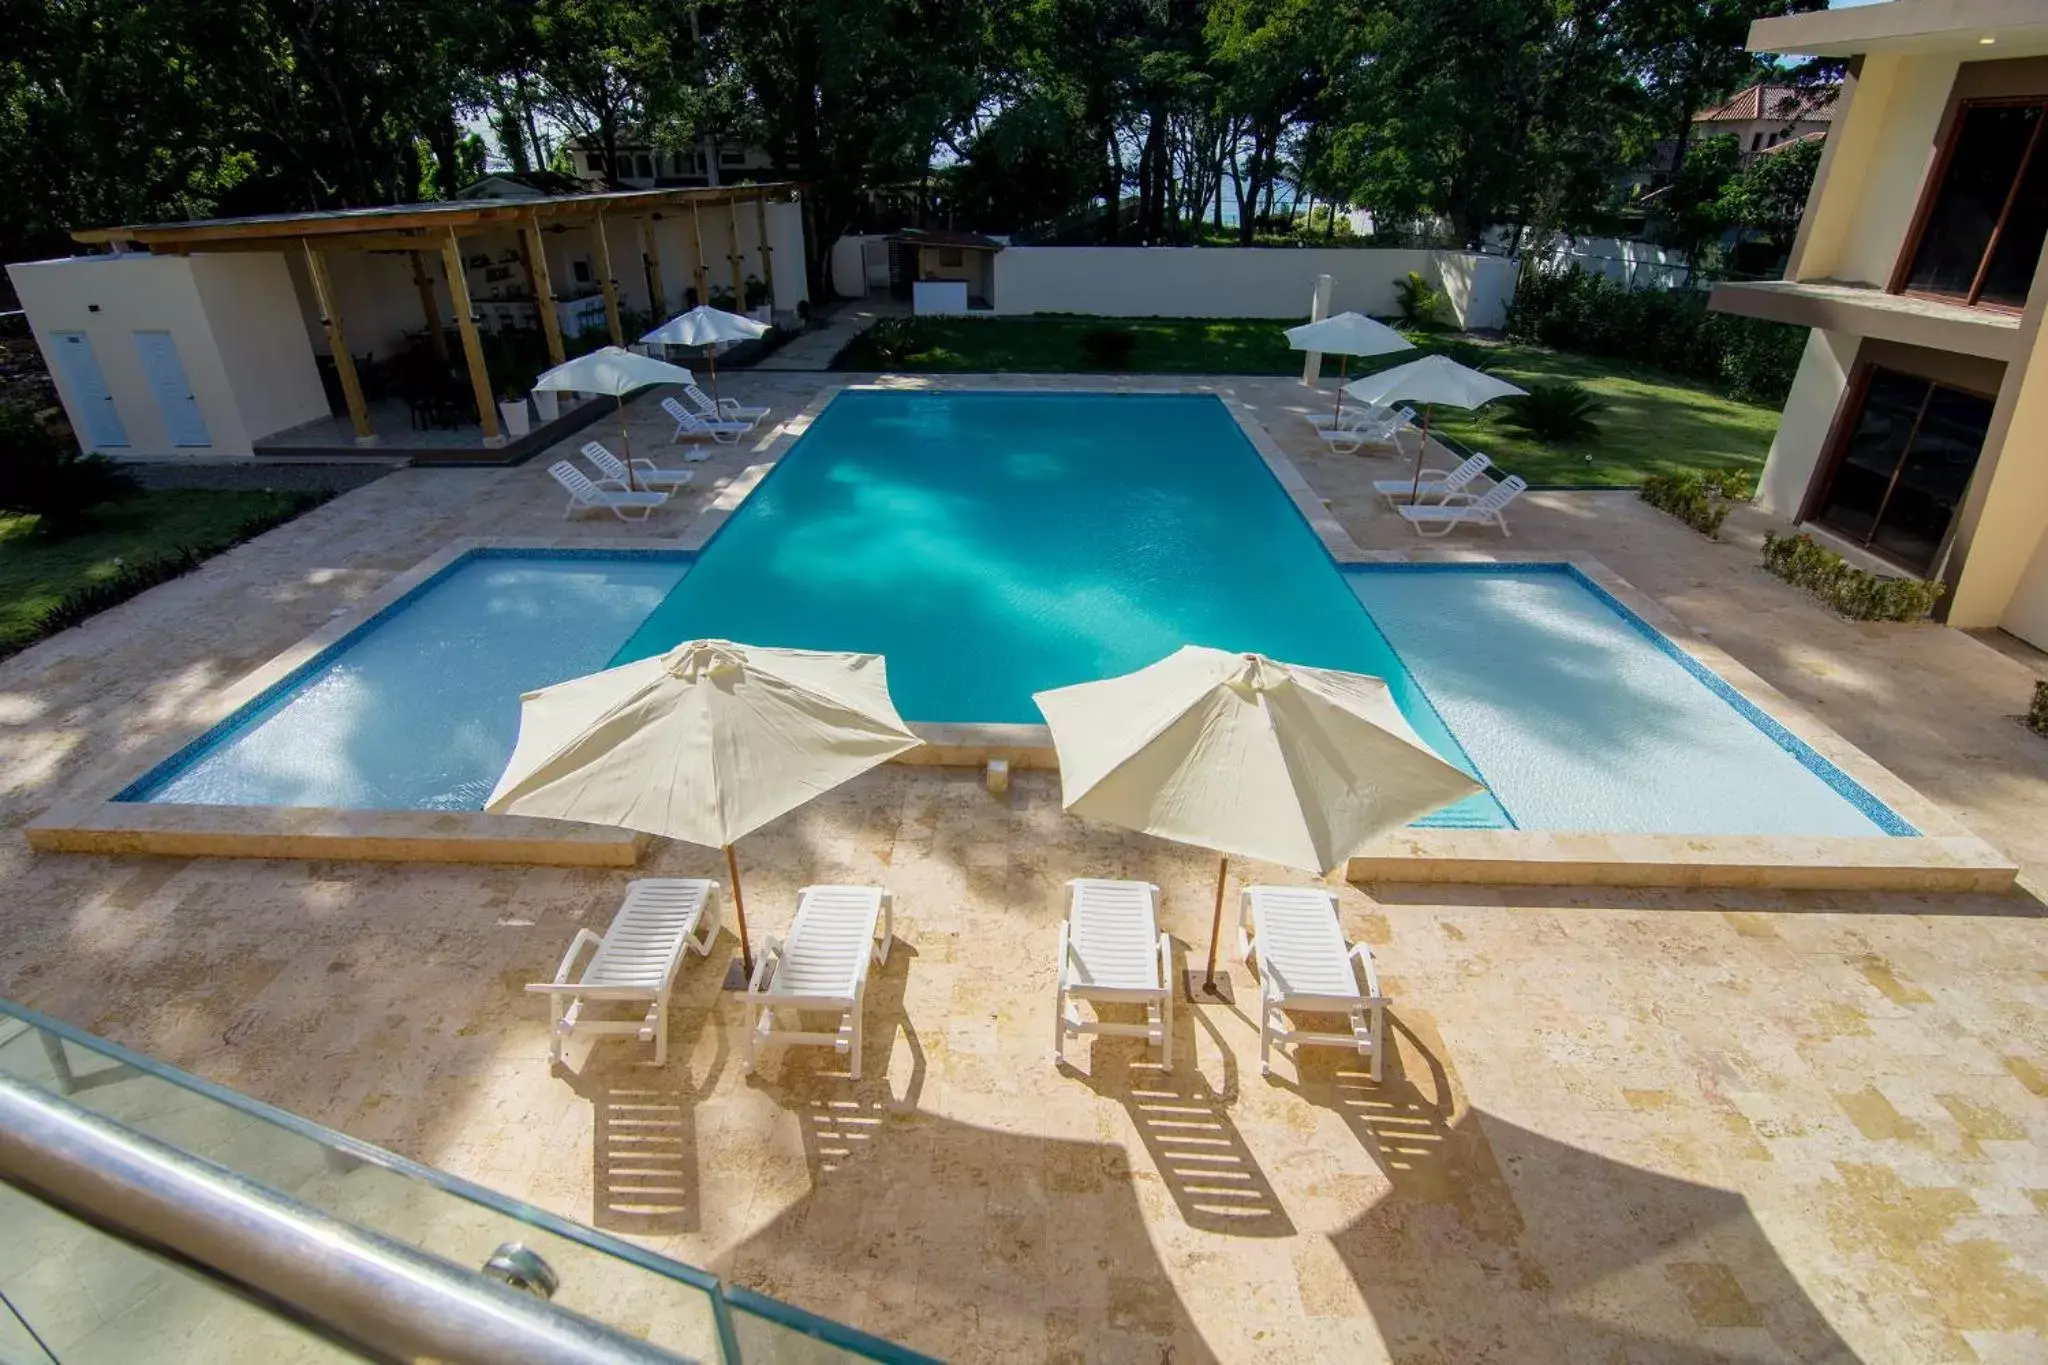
pixel 1981 232
pixel 1903 465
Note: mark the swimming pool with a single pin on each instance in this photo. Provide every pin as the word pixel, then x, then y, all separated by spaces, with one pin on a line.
pixel 993 545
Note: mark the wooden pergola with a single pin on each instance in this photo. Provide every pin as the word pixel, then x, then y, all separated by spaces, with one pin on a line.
pixel 422 229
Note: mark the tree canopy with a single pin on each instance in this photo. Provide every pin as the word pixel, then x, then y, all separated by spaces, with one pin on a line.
pixel 1152 121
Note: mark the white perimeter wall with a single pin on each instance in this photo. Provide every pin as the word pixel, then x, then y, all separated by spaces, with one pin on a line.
pixel 1242 282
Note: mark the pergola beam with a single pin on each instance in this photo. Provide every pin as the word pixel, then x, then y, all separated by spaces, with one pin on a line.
pixel 739 292
pixel 602 249
pixel 277 232
pixel 543 288
pixel 657 288
pixel 472 346
pixel 337 342
pixel 429 306
pixel 767 251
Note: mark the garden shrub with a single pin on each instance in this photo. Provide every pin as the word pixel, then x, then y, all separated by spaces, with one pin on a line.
pixel 1699 499
pixel 888 345
pixel 42 476
pixel 1555 410
pixel 1855 593
pixel 1419 304
pixel 1109 348
pixel 2037 714
pixel 1668 329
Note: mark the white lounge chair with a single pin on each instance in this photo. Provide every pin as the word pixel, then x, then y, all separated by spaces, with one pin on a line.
pixel 1357 415
pixel 1292 935
pixel 645 473
pixel 585 493
pixel 821 966
pixel 1112 952
pixel 1384 430
pixel 723 409
pixel 1460 508
pixel 696 425
pixel 1436 484
pixel 636 960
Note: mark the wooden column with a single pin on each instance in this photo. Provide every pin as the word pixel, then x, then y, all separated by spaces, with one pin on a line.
pixel 436 338
pixel 697 240
pixel 657 291
pixel 472 349
pixel 739 292
pixel 543 288
pixel 602 251
pixel 337 342
pixel 767 251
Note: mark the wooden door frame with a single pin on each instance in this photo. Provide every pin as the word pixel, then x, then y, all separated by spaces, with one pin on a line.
pixel 1849 412
pixel 1930 194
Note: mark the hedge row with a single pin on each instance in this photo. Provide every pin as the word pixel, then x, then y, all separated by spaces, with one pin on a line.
pixel 1857 594
pixel 1670 329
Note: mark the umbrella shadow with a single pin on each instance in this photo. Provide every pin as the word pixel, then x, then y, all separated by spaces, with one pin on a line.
pixel 1499 1243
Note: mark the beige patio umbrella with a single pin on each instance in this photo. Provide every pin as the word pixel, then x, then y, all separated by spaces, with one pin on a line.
pixel 1431 380
pixel 1344 336
pixel 704 743
pixel 1247 756
pixel 616 372
pixel 706 326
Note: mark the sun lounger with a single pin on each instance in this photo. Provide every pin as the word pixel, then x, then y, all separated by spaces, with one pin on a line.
pixel 636 960
pixel 696 425
pixel 1382 431
pixel 1111 952
pixel 822 966
pixel 1357 415
pixel 1292 935
pixel 723 409
pixel 644 472
pixel 1439 519
pixel 1436 484
pixel 584 493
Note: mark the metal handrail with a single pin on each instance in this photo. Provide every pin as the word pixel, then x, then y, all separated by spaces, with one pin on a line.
pixel 371 1294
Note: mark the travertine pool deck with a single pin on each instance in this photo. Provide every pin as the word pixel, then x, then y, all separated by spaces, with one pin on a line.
pixel 1619 1125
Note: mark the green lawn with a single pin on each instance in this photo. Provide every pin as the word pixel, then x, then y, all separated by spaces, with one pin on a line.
pixel 38 573
pixel 1655 423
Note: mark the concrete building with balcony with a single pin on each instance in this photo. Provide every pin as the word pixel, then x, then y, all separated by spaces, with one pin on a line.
pixel 1916 431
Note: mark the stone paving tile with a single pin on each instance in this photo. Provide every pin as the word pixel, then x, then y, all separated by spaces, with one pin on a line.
pixel 1615 1124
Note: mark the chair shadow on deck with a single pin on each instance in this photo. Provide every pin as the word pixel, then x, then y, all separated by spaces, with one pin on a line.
pixel 1185 1124
pixel 911 1217
pixel 1540 1251
pixel 643 1154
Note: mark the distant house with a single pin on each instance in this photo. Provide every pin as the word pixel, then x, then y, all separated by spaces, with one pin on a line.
pixel 1762 118
pixel 643 166
pixel 521 185
pixel 1915 435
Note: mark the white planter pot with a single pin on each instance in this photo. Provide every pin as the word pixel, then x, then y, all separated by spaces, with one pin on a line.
pixel 514 417
pixel 547 404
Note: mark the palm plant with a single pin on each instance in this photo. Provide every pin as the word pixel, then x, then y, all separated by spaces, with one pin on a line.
pixel 1555 411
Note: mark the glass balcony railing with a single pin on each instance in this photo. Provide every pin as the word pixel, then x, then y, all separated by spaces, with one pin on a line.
pixel 76 1286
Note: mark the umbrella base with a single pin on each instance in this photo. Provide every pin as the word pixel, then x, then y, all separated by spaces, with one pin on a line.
pixel 1199 992
pixel 735 976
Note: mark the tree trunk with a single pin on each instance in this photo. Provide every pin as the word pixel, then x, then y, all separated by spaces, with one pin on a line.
pixel 443 136
pixel 1113 187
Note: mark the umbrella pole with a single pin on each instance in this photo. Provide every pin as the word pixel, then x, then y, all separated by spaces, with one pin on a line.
pixel 739 913
pixel 711 359
pixel 1415 492
pixel 1343 373
pixel 1216 923
pixel 625 441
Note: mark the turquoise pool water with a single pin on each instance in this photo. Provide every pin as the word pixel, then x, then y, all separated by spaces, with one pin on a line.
pixel 994 545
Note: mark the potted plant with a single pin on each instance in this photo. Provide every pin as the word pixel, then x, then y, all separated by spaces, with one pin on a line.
pixel 760 302
pixel 512 411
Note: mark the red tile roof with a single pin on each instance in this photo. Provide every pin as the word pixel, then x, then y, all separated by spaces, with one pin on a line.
pixel 1764 102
